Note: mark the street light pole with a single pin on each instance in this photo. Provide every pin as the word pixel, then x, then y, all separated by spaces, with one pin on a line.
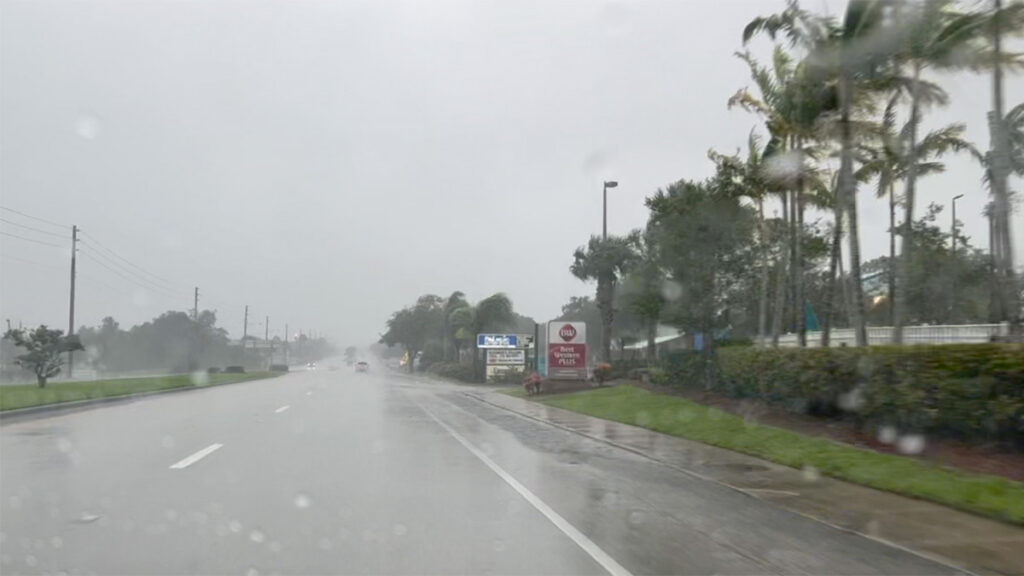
pixel 952 262
pixel 604 220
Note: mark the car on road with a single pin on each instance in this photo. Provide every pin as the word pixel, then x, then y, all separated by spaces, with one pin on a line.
pixel 362 366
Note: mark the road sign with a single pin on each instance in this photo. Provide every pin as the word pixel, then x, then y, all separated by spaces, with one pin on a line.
pixel 504 357
pixel 567 350
pixel 488 341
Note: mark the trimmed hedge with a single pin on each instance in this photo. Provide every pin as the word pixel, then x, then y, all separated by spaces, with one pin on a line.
pixel 455 371
pixel 970 391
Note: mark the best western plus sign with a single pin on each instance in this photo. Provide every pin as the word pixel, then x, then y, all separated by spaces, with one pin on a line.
pixel 567 350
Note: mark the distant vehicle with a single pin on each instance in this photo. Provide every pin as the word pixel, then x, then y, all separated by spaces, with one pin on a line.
pixel 362 366
pixel 311 366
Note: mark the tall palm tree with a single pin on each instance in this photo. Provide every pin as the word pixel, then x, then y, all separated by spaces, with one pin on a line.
pixel 937 37
pixel 606 260
pixel 1000 22
pixel 493 313
pixel 889 163
pixel 455 301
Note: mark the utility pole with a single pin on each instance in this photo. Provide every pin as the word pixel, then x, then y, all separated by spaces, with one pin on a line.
pixel 195 305
pixel 71 311
pixel 952 262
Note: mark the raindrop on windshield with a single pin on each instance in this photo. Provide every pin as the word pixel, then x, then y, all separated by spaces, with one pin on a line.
pixel 302 501
pixel 257 536
pixel 400 530
pixel 810 473
pixel 887 434
pixel 64 445
pixel 498 546
pixel 235 526
pixel 911 444
pixel 87 127
pixel 200 378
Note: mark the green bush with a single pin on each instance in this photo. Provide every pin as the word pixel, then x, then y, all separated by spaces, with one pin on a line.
pixel 461 372
pixel 971 391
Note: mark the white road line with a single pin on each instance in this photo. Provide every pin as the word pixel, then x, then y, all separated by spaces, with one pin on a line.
pixel 190 460
pixel 282 409
pixel 581 540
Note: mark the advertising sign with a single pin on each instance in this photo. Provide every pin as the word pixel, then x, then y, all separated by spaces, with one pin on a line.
pixel 498 357
pixel 567 350
pixel 488 341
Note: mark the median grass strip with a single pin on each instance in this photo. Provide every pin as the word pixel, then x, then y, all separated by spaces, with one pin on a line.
pixel 987 495
pixel 29 395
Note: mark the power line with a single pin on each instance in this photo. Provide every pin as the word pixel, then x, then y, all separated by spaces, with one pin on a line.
pixel 32 229
pixel 29 239
pixel 162 291
pixel 126 270
pixel 126 261
pixel 43 220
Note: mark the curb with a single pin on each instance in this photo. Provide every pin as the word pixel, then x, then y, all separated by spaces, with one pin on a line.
pixel 43 410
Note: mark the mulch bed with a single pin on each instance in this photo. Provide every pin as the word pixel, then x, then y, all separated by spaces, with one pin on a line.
pixel 977 458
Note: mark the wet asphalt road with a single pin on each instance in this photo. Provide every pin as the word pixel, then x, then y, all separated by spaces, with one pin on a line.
pixel 342 473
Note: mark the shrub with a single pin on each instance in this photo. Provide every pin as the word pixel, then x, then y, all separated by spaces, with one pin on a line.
pixel 234 370
pixel 461 372
pixel 509 377
pixel 213 370
pixel 602 372
pixel 971 391
pixel 278 367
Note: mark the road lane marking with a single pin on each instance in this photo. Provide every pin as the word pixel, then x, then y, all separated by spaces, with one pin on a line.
pixel 581 539
pixel 190 460
pixel 282 409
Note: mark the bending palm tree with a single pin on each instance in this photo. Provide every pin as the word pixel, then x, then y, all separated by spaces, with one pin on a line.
pixel 606 260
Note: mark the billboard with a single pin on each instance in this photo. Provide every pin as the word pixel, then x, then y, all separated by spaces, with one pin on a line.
pixel 567 350
pixel 489 341
pixel 498 357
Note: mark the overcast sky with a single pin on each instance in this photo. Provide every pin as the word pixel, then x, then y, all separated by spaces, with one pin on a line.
pixel 327 162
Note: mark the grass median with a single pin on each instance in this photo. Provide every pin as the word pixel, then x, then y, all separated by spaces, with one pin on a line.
pixel 995 497
pixel 29 395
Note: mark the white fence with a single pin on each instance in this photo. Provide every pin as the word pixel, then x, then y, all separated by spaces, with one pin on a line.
pixel 940 334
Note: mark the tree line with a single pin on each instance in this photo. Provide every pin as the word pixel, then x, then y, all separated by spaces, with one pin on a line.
pixel 840 107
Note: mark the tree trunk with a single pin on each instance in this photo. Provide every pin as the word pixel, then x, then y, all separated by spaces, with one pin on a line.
pixel 892 252
pixel 903 283
pixel 652 345
pixel 799 303
pixel 605 304
pixel 762 301
pixel 848 191
pixel 1007 288
pixel 780 281
pixel 833 266
pixel 793 271
pixel 41 380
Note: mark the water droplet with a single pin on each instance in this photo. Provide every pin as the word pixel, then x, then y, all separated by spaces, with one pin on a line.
pixel 302 501
pixel 167 441
pixel 64 445
pixel 87 517
pixel 887 434
pixel 252 572
pixel 200 378
pixel 324 543
pixel 257 536
pixel 235 526
pixel 851 401
pixel 400 530
pixel 810 473
pixel 56 542
pixel 498 545
pixel 671 290
pixel 911 444
pixel 31 561
pixel 636 518
pixel 87 127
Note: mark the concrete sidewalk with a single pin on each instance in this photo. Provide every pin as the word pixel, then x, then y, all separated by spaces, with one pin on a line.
pixel 971 542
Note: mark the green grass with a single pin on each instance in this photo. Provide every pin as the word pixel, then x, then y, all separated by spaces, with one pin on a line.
pixel 25 396
pixel 991 496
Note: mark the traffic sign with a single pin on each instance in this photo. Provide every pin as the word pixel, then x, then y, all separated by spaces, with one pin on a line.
pixel 489 341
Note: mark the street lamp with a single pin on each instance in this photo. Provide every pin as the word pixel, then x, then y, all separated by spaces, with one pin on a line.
pixel 604 221
pixel 952 262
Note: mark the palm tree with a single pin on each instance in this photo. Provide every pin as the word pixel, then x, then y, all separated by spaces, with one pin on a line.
pixel 889 162
pixel 937 37
pixel 643 289
pixel 606 260
pixel 493 313
pixel 835 260
pixel 455 301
